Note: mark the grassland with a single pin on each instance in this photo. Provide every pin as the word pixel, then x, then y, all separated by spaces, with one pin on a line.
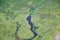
pixel 45 16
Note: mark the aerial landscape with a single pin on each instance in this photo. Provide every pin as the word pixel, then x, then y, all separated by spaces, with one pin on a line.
pixel 29 19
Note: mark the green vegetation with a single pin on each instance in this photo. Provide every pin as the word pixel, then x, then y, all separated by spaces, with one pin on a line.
pixel 45 15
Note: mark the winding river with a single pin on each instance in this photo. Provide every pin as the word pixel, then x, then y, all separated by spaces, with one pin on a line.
pixel 17 28
pixel 31 26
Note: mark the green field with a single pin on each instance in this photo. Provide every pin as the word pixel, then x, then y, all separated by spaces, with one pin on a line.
pixel 45 16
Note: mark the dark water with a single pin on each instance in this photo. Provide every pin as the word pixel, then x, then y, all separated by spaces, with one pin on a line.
pixel 17 28
pixel 31 26
pixel 32 9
